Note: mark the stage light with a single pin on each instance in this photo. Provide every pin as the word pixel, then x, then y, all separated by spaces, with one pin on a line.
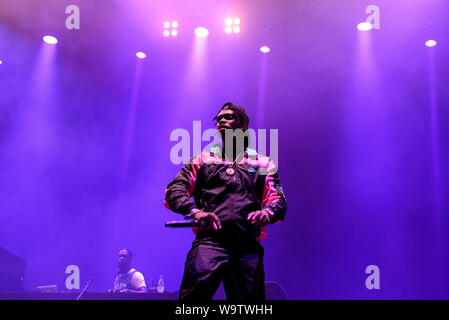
pixel 364 26
pixel 265 49
pixel 50 39
pixel 170 28
pixel 232 25
pixel 1 62
pixel 141 55
pixel 431 43
pixel 201 32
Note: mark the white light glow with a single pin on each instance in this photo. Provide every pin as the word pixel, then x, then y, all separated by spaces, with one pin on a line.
pixel 364 26
pixel 201 32
pixel 431 43
pixel 265 49
pixel 141 55
pixel 50 40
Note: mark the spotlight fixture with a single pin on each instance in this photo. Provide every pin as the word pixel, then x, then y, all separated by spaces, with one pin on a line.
pixel 265 49
pixel 141 55
pixel 201 32
pixel 170 28
pixel 431 43
pixel 364 26
pixel 232 25
pixel 50 39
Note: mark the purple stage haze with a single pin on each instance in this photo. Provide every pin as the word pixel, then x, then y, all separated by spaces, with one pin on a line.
pixel 363 120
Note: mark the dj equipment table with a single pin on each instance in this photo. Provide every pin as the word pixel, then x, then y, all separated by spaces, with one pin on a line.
pixel 88 296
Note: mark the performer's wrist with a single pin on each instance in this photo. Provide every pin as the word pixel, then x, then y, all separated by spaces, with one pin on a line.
pixel 191 215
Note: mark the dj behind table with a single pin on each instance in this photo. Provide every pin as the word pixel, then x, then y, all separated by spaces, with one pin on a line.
pixel 12 274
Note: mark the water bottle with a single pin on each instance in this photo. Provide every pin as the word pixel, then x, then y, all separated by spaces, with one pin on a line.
pixel 160 285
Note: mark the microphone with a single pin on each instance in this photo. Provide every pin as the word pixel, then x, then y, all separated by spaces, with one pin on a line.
pixel 85 288
pixel 182 223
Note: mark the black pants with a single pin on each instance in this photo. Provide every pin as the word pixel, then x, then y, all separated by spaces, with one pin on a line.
pixel 240 267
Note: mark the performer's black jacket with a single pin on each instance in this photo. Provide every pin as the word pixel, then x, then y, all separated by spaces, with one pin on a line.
pixel 255 185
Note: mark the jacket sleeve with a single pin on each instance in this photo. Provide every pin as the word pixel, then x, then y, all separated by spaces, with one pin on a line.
pixel 179 192
pixel 273 195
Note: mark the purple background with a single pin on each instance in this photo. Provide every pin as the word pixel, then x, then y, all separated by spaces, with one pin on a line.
pixel 362 118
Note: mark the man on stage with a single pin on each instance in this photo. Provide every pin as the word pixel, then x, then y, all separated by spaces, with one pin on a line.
pixel 236 193
pixel 128 280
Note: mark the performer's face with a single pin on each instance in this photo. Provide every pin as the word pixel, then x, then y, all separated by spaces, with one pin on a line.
pixel 124 259
pixel 226 119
